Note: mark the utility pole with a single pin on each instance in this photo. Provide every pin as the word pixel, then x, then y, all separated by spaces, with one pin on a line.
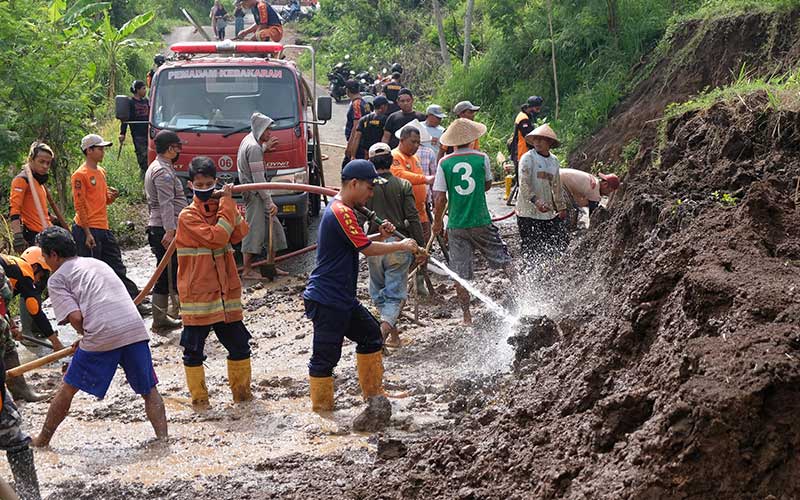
pixel 553 51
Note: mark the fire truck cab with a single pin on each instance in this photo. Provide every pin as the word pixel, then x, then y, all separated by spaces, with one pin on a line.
pixel 207 93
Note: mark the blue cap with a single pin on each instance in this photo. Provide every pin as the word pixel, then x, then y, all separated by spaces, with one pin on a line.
pixel 380 101
pixel 362 170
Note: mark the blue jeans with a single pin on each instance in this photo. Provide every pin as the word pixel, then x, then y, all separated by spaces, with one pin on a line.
pixel 238 25
pixel 388 283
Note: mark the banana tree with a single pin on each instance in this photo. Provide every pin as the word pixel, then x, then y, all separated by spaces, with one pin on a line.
pixel 113 41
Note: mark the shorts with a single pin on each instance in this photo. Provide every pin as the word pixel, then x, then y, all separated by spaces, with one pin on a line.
pixel 486 239
pixel 256 241
pixel 92 372
pixel 269 33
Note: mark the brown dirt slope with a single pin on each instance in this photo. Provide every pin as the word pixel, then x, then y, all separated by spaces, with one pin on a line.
pixel 675 369
pixel 700 54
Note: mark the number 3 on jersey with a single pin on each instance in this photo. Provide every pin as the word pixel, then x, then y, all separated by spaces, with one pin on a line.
pixel 465 176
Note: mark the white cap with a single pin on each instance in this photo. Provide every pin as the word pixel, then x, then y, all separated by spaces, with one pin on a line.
pixel 424 136
pixel 379 148
pixel 93 140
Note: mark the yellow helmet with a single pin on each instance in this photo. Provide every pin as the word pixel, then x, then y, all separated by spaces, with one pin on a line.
pixel 33 255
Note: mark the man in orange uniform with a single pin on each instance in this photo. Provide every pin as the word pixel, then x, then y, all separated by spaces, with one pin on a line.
pixel 91 196
pixel 406 166
pixel 208 283
pixel 26 220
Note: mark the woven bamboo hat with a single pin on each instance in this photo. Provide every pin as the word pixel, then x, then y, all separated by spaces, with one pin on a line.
pixel 462 131
pixel 546 132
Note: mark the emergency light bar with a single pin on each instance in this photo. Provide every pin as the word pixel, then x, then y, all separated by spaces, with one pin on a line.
pixel 227 47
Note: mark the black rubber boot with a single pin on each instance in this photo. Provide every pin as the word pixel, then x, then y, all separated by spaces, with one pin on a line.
pixel 17 386
pixel 26 483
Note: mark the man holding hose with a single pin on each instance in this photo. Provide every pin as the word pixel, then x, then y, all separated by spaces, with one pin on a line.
pixel 330 297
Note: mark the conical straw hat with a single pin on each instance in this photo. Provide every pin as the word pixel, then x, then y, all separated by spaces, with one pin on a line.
pixel 546 132
pixel 462 131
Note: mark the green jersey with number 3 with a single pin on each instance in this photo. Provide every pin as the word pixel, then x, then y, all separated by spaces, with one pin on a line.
pixel 466 174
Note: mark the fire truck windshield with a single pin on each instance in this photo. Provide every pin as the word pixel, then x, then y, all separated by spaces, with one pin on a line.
pixel 219 99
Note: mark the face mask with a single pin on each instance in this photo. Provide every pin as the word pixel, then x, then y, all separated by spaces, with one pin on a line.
pixel 177 155
pixel 264 147
pixel 204 194
pixel 40 178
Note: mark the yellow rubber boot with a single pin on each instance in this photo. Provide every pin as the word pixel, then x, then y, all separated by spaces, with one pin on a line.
pixel 370 374
pixel 196 381
pixel 321 393
pixel 239 379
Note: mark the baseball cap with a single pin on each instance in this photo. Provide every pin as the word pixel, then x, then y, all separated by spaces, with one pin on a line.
pixel 464 106
pixel 380 101
pixel 534 101
pixel 362 170
pixel 435 110
pixel 611 179
pixel 92 140
pixel 351 85
pixel 166 138
pixel 379 148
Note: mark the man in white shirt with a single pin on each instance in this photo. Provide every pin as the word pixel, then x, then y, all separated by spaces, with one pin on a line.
pixel 586 189
pixel 86 293
pixel 541 208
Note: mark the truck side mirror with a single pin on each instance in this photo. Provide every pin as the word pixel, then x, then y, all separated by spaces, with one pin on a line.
pixel 324 108
pixel 122 108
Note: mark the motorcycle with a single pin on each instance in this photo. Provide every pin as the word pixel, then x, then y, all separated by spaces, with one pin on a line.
pixel 340 73
pixel 295 12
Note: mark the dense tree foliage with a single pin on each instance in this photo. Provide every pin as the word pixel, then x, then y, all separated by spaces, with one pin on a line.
pixel 598 45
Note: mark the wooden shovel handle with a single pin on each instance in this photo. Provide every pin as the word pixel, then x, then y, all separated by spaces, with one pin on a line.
pixel 44 360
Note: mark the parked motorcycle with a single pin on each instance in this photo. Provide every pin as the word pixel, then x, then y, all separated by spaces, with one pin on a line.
pixel 340 73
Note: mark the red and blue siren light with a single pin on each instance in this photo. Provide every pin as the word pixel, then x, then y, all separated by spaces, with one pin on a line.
pixel 227 47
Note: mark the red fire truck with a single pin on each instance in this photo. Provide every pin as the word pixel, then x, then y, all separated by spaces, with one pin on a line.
pixel 207 93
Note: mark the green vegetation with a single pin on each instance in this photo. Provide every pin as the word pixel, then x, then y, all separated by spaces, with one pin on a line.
pixel 601 50
pixel 724 199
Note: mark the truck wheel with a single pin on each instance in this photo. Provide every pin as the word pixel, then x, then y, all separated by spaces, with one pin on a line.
pixel 297 233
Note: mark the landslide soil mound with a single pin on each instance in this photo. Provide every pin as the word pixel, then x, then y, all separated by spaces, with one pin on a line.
pixel 675 368
pixel 700 54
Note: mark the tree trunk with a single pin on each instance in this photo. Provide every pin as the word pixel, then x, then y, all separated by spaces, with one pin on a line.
pixel 442 41
pixel 613 20
pixel 468 32
pixel 553 52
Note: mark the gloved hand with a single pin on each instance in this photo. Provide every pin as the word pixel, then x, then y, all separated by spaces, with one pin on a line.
pixel 19 243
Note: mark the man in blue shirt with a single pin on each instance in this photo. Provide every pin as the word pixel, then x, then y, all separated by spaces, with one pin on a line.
pixel 330 297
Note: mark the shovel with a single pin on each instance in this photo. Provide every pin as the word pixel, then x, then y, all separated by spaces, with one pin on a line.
pixel 268 269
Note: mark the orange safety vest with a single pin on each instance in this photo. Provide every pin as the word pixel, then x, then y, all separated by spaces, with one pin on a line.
pixel 208 281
